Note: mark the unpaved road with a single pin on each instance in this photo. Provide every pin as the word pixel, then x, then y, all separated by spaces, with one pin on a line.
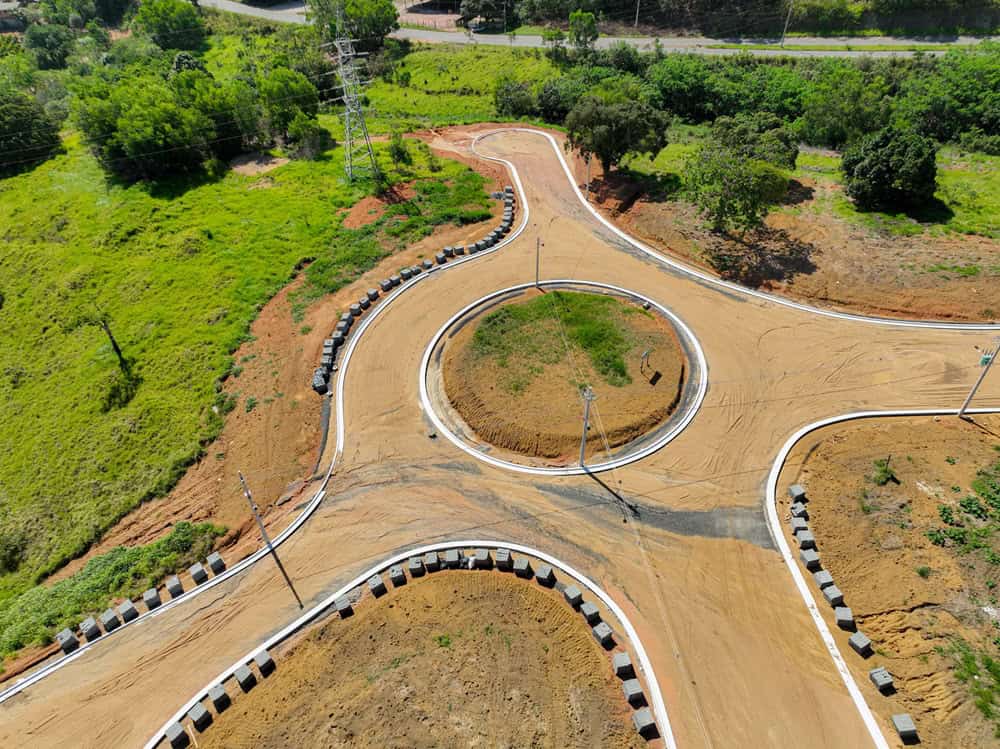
pixel 734 648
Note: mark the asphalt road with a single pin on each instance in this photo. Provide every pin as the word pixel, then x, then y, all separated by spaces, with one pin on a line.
pixel 294 12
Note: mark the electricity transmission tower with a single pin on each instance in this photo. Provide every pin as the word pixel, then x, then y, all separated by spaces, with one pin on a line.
pixel 359 158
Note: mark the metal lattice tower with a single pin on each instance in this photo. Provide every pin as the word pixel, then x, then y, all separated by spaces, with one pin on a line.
pixel 359 158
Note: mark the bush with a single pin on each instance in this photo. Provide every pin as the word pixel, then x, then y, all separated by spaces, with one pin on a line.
pixel 731 190
pixel 760 136
pixel 49 45
pixel 892 169
pixel 307 139
pixel 513 99
pixel 27 134
pixel 284 94
pixel 557 96
pixel 172 24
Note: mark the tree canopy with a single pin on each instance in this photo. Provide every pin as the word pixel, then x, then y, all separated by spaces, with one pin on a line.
pixel 172 24
pixel 609 130
pixel 27 134
pixel 893 168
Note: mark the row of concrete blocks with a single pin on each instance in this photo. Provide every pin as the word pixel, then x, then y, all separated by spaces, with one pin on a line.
pixel 328 358
pixel 859 642
pixel 642 718
pixel 111 619
pixel 201 718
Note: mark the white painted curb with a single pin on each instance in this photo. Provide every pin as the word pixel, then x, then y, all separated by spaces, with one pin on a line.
pixel 656 697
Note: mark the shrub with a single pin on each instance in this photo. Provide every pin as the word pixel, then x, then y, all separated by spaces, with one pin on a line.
pixel 513 98
pixel 172 24
pixel 731 190
pixel 27 134
pixel 760 136
pixel 307 139
pixel 894 169
pixel 49 44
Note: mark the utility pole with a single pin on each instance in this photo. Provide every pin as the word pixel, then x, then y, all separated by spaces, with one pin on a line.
pixel 588 396
pixel 267 540
pixel 982 376
pixel 791 4
pixel 358 154
pixel 538 255
pixel 636 24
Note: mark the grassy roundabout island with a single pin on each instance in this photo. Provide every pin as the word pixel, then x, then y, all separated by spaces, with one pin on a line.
pixel 516 372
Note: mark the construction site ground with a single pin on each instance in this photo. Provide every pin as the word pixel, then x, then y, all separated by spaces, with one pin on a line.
pixel 733 645
pixel 452 659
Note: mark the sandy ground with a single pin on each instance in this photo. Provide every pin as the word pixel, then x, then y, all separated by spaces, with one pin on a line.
pixel 872 540
pixel 544 419
pixel 822 259
pixel 453 659
pixel 734 648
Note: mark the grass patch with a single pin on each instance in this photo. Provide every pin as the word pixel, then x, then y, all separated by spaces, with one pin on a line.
pixel 924 572
pixel 980 673
pixel 34 616
pixel 524 337
pixel 883 473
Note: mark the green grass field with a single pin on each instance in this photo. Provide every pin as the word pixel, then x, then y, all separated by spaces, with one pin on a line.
pixel 180 270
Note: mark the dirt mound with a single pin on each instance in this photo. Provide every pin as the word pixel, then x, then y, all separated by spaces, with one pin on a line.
pixel 542 415
pixel 455 659
pixel 915 599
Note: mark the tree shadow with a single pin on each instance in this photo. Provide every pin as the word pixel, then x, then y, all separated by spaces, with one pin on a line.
pixel 625 186
pixel 760 256
pixel 797 193
pixel 931 211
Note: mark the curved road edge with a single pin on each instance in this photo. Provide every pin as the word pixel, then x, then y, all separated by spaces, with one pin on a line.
pixel 774 525
pixel 645 665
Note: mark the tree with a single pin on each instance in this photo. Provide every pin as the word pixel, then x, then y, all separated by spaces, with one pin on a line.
pixel 893 168
pixel 513 98
pixel 842 105
pixel 732 191
pixel 609 130
pixel 27 134
pixel 367 21
pixel 49 45
pixel 759 136
pixel 582 30
pixel 557 96
pixel 172 24
pixel 284 93
pixel 307 139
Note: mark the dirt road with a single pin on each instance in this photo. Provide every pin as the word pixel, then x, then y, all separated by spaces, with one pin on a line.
pixel 734 648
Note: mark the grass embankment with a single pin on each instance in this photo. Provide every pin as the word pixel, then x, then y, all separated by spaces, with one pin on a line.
pixel 180 270
pixel 525 337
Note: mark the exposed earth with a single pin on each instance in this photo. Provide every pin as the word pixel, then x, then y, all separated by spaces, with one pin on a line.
pixel 522 394
pixel 453 659
pixel 914 599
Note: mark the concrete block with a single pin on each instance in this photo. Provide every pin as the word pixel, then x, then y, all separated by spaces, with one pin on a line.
pixel 799 524
pixel 355 310
pixel 416 566
pixel 199 717
pixel 216 563
pixel 881 678
pixel 905 727
pixel 174 587
pixel 365 302
pixel 176 736
pixel 395 280
pixel 633 692
pixel 522 567
pixel 427 264
pixel 245 678
pixel 508 189
pixel 198 573
pixel 343 328
pixel 265 663
pixel 372 294
pixel 449 251
pixel 343 606
pixel 151 598
pixel 219 697
pixel 127 611
pixel 590 612
pixel 348 318
pixel 397 575
pixel 504 560
pixel 545 576
pixel 431 561
pixel 460 249
pixel 623 666
pixel 573 596
pixel 806 539
pixel 440 258
pixel 799 510
pixel 110 620
pixel 385 284
pixel 823 579
pixel 644 723
pixel 860 644
pixel 480 246
pixel 339 336
pixel 489 241
pixel 67 641
pixel 326 362
pixel 453 558
pixel 90 629
pixel 603 634
pixel 810 558
pixel 415 270
pixel 406 273
pixel 844 617
pixel 797 492
pixel 376 585
pixel 833 595
pixel 483 559
pixel 319 382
